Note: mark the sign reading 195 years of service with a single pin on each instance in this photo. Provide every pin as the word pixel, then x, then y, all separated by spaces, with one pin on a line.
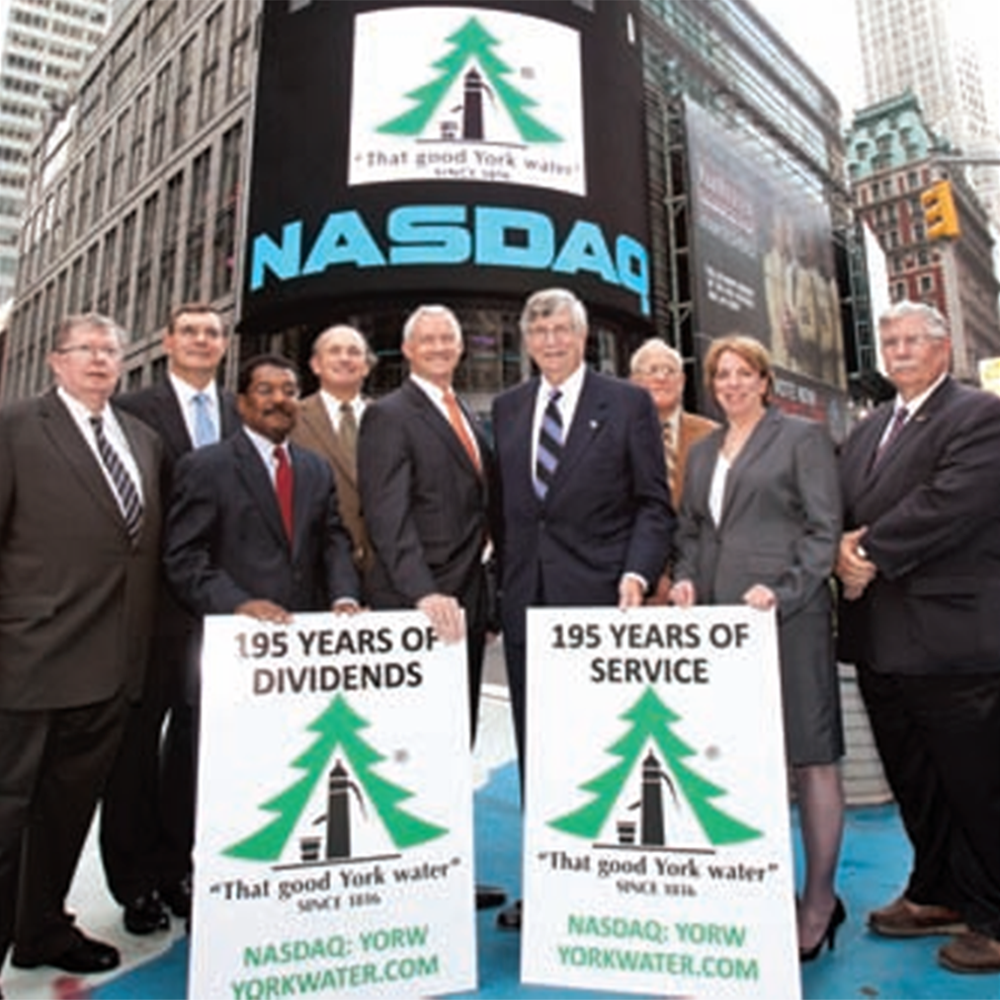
pixel 334 845
pixel 657 852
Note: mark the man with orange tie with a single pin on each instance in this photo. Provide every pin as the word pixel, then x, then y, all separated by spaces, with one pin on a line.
pixel 253 526
pixel 425 471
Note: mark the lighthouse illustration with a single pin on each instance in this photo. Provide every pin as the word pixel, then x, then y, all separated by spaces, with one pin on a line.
pixel 337 816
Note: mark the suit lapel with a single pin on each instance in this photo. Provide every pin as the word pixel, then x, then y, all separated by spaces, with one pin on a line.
pixel 174 428
pixel 68 440
pixel 314 415
pixel 256 480
pixel 592 411
pixel 761 437
pixel 302 491
pixel 436 422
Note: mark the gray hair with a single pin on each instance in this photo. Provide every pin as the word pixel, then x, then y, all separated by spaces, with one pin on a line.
pixel 89 320
pixel 934 322
pixel 552 300
pixel 649 347
pixel 430 310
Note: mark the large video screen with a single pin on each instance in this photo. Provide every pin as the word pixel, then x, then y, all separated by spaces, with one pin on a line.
pixel 446 147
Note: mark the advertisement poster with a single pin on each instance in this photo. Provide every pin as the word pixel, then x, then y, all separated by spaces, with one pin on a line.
pixel 763 265
pixel 657 854
pixel 334 843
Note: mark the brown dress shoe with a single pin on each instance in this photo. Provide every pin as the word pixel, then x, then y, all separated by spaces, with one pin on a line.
pixel 903 919
pixel 970 952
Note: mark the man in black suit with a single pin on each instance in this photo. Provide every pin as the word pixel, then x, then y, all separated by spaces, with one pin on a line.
pixel 252 527
pixel 586 508
pixel 425 471
pixel 147 813
pixel 920 567
pixel 79 552
pixel 425 493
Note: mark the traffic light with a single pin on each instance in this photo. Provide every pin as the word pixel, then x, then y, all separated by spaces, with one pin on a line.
pixel 940 217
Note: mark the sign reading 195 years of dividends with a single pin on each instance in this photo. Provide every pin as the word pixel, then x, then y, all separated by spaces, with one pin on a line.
pixel 334 844
pixel 657 853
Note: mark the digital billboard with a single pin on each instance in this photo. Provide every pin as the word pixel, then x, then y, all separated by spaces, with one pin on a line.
pixel 448 148
pixel 762 264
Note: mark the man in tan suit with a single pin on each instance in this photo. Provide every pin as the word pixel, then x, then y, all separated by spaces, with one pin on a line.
pixel 658 368
pixel 79 554
pixel 328 424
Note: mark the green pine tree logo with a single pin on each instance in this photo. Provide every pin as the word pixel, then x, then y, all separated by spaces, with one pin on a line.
pixel 651 720
pixel 338 726
pixel 471 42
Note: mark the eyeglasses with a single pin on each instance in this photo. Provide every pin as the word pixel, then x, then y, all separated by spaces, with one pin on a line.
pixel 104 353
pixel 658 371
pixel 908 342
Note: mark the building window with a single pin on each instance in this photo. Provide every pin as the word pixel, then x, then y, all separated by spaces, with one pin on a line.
pixel 224 244
pixel 926 284
pixel 89 279
pixel 101 175
pixel 158 133
pixel 197 216
pixel 138 139
pixel 83 214
pixel 239 51
pixel 118 160
pixel 107 273
pixel 182 102
pixel 210 63
pixel 168 253
pixel 144 271
pixel 125 270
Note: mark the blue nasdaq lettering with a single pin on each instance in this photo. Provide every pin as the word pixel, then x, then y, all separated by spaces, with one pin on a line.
pixel 441 235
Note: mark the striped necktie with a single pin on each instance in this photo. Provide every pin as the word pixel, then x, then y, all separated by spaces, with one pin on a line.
pixel 128 495
pixel 670 455
pixel 550 445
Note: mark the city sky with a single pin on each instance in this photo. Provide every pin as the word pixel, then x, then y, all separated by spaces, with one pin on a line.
pixel 825 36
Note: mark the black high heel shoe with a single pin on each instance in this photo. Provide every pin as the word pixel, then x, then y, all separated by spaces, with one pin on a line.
pixel 829 936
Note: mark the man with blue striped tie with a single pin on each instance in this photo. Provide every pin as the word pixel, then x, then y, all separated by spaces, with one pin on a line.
pixel 580 457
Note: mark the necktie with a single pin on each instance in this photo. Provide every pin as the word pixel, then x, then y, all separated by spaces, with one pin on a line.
pixel 898 423
pixel 204 424
pixel 670 454
pixel 459 427
pixel 349 429
pixel 283 487
pixel 550 445
pixel 128 495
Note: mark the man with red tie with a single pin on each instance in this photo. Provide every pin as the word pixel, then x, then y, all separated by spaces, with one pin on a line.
pixel 253 526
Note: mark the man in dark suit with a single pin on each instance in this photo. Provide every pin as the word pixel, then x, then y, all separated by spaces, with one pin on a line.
pixel 659 368
pixel 425 493
pixel 426 475
pixel 328 424
pixel 920 568
pixel 586 509
pixel 79 548
pixel 147 813
pixel 253 527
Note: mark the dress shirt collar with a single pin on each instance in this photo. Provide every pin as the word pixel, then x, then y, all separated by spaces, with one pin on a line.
pixel 332 405
pixel 914 405
pixel 265 448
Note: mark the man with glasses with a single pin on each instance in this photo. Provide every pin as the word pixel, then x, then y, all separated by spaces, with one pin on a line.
pixel 659 369
pixel 147 813
pixel 253 526
pixel 919 564
pixel 580 458
pixel 79 553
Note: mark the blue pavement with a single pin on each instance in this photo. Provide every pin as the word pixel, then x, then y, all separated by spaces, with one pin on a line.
pixel 874 864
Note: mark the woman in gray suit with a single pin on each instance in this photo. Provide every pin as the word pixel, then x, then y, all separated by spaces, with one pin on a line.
pixel 759 525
